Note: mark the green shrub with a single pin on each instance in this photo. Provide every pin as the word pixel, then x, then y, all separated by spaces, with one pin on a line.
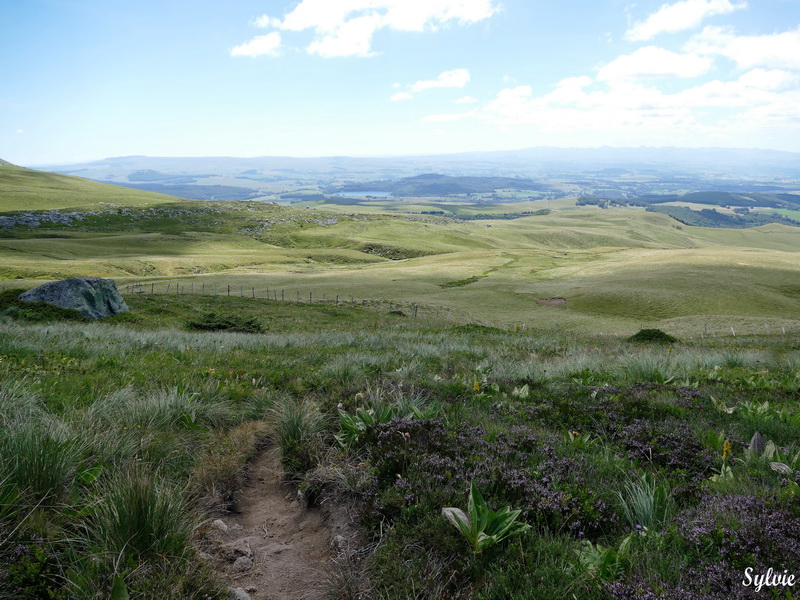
pixel 214 321
pixel 651 336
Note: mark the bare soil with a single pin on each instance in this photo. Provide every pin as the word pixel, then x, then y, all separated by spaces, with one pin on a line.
pixel 271 545
pixel 550 301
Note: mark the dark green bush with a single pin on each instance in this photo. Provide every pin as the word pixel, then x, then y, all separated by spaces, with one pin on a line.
pixel 218 322
pixel 652 336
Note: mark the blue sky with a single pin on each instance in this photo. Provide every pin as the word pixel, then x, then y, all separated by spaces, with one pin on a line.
pixel 89 79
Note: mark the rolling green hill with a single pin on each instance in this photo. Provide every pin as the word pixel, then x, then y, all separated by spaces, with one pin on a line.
pixel 610 270
pixel 24 189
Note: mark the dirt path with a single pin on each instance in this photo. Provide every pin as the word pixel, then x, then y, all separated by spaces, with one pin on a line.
pixel 272 546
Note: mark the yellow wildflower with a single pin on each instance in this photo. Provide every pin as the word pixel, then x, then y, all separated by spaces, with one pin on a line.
pixel 476 386
pixel 726 450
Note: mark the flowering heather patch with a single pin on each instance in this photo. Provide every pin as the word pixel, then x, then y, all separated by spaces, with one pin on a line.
pixel 720 540
pixel 671 444
pixel 744 530
pixel 518 467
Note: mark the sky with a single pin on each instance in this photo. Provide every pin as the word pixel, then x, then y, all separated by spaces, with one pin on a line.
pixel 91 79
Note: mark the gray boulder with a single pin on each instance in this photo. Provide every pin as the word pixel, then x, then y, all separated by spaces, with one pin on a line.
pixel 93 297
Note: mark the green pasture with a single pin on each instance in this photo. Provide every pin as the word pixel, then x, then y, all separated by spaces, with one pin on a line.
pixel 615 269
pixel 25 189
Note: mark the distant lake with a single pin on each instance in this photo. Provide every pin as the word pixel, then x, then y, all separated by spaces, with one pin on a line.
pixel 362 194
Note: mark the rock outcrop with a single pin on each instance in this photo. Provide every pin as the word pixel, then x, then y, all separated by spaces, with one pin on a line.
pixel 93 297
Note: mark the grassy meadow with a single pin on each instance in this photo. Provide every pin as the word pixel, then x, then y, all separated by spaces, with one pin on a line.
pixel 617 269
pixel 24 189
pixel 631 463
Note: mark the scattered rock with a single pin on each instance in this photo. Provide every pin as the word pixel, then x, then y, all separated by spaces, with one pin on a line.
pixel 93 297
pixel 237 549
pixel 220 524
pixel 242 564
pixel 238 594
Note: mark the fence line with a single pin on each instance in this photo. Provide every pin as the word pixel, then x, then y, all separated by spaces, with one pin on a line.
pixel 417 310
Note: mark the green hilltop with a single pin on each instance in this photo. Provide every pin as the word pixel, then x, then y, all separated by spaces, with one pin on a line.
pixel 28 189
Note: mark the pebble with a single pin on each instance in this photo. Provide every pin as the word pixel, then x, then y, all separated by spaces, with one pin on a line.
pixel 242 564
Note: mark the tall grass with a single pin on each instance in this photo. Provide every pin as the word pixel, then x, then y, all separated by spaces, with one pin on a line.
pixel 41 458
pixel 299 428
pixel 645 502
pixel 159 409
pixel 648 367
pixel 141 516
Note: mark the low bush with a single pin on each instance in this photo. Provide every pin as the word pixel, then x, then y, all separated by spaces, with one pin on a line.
pixel 214 321
pixel 652 336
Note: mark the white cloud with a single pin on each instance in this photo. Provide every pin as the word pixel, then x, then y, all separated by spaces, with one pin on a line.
pixel 352 38
pixel 680 16
pixel 466 100
pixel 651 62
pixel 19 131
pixel 457 78
pixel 346 27
pixel 261 45
pixel 760 102
pixel 775 51
pixel 755 88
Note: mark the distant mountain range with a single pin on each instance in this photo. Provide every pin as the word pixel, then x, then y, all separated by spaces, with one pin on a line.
pixel 619 172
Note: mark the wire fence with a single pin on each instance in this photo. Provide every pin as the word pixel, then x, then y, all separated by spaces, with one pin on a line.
pixel 278 294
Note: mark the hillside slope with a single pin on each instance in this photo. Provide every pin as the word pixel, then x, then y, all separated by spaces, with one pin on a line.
pixel 28 189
